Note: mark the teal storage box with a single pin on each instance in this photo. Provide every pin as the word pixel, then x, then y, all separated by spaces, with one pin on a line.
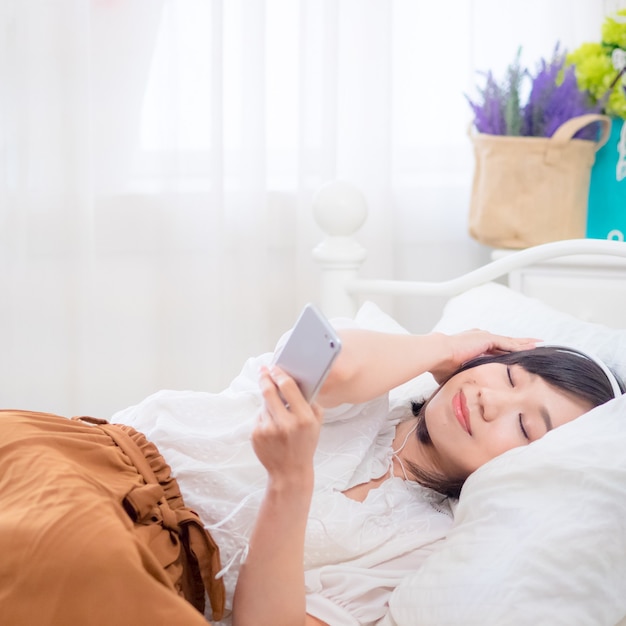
pixel 606 214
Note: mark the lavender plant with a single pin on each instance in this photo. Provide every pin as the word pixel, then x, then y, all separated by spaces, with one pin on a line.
pixel 489 109
pixel 497 112
pixel 512 113
pixel 554 97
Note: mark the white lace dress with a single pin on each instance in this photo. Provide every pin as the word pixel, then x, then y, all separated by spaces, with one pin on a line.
pixel 356 552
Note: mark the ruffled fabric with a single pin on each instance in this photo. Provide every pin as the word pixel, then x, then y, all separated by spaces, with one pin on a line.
pixel 193 571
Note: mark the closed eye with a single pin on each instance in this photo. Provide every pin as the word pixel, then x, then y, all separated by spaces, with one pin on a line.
pixel 508 373
pixel 521 425
pixel 521 421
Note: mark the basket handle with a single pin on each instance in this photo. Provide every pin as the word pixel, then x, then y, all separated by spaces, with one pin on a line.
pixel 568 129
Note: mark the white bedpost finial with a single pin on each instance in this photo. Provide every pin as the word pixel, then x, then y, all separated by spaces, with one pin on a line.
pixel 340 210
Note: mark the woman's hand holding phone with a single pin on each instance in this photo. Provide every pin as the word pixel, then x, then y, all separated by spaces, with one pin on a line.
pixel 287 429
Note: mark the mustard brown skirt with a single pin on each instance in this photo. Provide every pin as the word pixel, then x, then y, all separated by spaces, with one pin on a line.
pixel 94 530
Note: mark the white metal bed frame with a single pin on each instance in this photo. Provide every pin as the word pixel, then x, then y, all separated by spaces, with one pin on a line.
pixel 340 210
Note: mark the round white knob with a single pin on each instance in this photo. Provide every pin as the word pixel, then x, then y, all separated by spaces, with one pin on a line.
pixel 339 208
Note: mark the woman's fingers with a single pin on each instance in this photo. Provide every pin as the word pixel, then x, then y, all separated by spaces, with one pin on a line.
pixel 470 344
pixel 281 394
pixel 287 430
pixel 271 392
pixel 476 342
pixel 512 344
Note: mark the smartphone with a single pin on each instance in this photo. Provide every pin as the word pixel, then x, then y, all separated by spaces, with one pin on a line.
pixel 309 351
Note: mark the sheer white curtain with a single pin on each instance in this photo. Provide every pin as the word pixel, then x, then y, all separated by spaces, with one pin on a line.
pixel 159 158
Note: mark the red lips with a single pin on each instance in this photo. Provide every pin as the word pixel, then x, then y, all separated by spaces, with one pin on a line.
pixel 461 412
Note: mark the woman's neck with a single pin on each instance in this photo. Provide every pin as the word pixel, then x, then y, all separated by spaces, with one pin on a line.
pixel 408 449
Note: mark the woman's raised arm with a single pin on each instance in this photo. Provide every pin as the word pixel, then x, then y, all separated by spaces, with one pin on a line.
pixel 372 363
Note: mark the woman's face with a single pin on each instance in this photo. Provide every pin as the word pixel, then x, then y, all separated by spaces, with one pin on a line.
pixel 489 409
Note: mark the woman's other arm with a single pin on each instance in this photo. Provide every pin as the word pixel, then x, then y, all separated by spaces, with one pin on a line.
pixel 372 363
pixel 270 588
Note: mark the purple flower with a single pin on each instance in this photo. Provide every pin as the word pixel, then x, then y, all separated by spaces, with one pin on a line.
pixel 553 99
pixel 489 113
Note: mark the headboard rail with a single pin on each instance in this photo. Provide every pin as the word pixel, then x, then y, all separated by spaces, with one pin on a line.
pixel 340 210
pixel 491 271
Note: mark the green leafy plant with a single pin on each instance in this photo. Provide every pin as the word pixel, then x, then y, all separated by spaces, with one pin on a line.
pixel 600 67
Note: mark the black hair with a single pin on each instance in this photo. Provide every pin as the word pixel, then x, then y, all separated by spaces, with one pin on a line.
pixel 561 367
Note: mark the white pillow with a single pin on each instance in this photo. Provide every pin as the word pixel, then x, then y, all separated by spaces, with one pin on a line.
pixel 540 532
pixel 501 310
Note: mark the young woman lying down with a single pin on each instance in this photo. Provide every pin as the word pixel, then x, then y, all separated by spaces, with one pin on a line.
pixel 298 514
